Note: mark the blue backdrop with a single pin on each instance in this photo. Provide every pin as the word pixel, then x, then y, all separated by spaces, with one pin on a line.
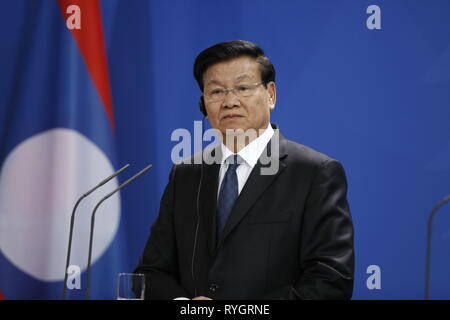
pixel 377 100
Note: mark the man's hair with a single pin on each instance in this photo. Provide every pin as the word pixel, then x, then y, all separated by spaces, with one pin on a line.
pixel 229 50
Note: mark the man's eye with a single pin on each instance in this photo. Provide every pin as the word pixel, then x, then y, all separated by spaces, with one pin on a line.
pixel 243 88
pixel 216 92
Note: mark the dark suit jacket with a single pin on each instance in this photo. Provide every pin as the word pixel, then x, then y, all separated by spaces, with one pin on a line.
pixel 289 235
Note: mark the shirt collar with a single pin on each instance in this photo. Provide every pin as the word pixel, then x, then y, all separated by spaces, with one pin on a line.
pixel 251 152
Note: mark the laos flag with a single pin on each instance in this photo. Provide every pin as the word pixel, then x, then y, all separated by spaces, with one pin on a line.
pixel 58 139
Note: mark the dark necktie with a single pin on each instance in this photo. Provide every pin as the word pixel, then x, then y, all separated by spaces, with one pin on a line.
pixel 228 193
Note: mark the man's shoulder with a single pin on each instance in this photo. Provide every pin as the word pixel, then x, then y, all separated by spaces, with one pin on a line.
pixel 301 154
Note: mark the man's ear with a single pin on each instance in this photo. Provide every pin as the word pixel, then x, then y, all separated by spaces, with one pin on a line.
pixel 272 91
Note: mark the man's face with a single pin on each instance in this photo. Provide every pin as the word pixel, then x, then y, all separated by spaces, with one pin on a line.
pixel 233 112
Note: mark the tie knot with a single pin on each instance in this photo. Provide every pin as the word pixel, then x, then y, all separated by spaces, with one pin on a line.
pixel 234 161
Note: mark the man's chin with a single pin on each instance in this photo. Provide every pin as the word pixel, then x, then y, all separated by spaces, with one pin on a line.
pixel 234 129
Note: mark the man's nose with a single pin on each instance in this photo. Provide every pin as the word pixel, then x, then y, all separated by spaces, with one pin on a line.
pixel 230 100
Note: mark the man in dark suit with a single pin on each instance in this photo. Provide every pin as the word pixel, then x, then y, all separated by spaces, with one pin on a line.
pixel 227 229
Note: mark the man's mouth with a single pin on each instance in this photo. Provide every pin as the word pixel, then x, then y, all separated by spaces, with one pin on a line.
pixel 232 116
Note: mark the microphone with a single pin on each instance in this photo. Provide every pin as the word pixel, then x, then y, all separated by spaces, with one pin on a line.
pixel 429 235
pixel 88 270
pixel 72 221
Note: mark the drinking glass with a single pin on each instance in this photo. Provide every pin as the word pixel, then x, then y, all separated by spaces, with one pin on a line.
pixel 130 286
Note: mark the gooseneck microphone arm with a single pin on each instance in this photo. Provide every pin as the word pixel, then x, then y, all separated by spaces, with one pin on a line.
pixel 88 270
pixel 72 221
pixel 429 236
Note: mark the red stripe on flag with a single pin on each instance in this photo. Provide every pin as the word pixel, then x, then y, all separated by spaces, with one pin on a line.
pixel 2 296
pixel 91 42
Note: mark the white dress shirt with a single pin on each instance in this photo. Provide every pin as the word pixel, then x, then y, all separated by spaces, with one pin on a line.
pixel 250 154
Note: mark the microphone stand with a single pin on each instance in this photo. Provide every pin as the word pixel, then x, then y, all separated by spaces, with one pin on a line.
pixel 88 270
pixel 429 235
pixel 72 221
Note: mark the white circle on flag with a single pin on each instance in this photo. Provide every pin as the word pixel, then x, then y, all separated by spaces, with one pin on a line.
pixel 40 181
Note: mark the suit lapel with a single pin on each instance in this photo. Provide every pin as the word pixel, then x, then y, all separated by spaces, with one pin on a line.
pixel 254 187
